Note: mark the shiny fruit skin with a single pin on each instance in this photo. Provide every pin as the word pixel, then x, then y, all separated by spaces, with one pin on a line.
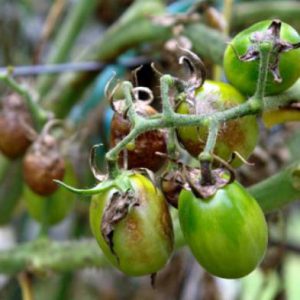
pixel 238 135
pixel 58 204
pixel 243 75
pixel 227 232
pixel 143 240
pixel 14 136
pixel 146 145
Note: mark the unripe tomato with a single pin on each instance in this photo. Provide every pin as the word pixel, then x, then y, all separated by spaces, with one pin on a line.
pixel 243 75
pixel 143 240
pixel 227 232
pixel 143 153
pixel 239 135
pixel 54 208
pixel 14 123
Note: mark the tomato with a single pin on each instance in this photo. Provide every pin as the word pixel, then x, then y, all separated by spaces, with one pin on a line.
pixel 142 240
pixel 43 163
pixel 143 152
pixel 243 75
pixel 238 135
pixel 14 123
pixel 171 185
pixel 54 208
pixel 226 232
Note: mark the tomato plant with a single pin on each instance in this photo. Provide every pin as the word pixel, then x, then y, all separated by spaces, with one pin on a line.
pixel 243 75
pixel 141 242
pixel 239 135
pixel 226 232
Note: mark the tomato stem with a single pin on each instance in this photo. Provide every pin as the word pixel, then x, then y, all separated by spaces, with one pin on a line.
pixel 175 120
pixel 39 115
pixel 26 286
pixel 205 156
pixel 264 59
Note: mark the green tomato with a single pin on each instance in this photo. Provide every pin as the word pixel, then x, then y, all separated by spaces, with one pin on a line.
pixel 227 232
pixel 54 208
pixel 143 240
pixel 238 135
pixel 243 75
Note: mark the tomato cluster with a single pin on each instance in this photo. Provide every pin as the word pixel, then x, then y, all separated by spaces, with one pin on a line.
pixel 42 161
pixel 221 222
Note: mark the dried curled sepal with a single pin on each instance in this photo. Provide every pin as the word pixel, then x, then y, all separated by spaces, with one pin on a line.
pixel 193 182
pixel 117 210
pixel 271 35
pixel 172 182
pixel 196 68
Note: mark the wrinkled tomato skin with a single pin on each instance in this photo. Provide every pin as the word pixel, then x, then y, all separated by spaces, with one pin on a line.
pixel 143 240
pixel 240 135
pixel 227 232
pixel 146 144
pixel 243 75
pixel 14 123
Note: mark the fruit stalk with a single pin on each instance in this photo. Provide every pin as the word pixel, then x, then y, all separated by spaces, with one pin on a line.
pixel 39 115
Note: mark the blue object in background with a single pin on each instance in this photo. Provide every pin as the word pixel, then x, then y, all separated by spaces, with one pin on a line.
pixel 80 112
pixel 97 95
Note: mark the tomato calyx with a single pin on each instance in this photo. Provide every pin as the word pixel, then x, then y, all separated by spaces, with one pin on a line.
pixel 221 177
pixel 272 37
pixel 172 182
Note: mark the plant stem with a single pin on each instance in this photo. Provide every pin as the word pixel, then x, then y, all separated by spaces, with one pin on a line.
pixel 63 43
pixel 166 81
pixel 26 286
pixel 205 156
pixel 212 138
pixel 264 58
pixel 44 256
pixel 279 189
pixel 39 115
pixel 141 124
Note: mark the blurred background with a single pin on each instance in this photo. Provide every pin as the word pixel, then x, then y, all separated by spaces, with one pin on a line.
pixel 40 33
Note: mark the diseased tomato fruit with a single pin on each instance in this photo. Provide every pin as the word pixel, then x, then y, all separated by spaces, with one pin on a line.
pixel 14 123
pixel 243 75
pixel 143 154
pixel 171 185
pixel 54 208
pixel 239 135
pixel 226 232
pixel 43 163
pixel 134 230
